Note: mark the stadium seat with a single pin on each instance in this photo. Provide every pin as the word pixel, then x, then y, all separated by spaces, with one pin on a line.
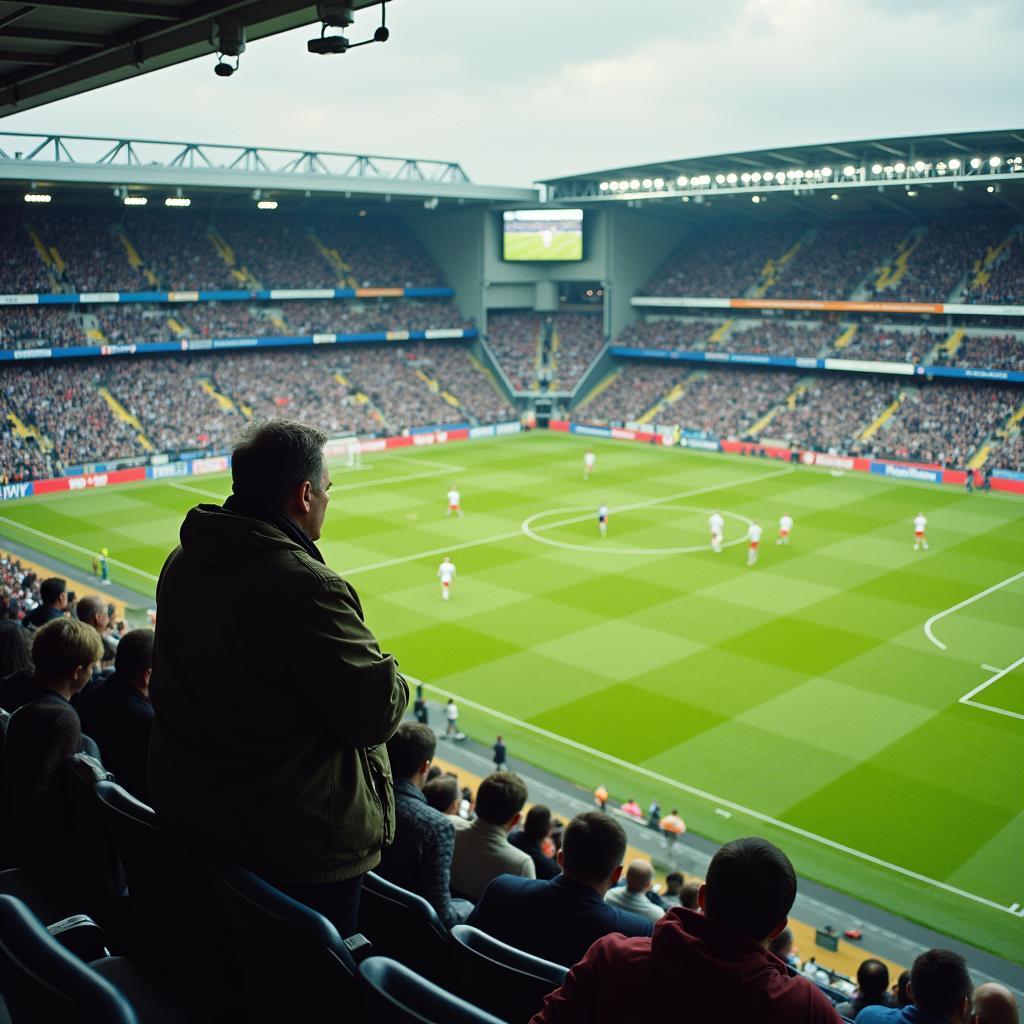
pixel 499 978
pixel 175 915
pixel 393 994
pixel 43 983
pixel 405 927
pixel 294 964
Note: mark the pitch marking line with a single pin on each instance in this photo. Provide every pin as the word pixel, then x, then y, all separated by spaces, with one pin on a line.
pixel 198 490
pixel 512 534
pixel 963 604
pixel 967 698
pixel 78 548
pixel 711 798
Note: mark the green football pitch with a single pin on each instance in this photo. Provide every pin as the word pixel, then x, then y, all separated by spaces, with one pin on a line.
pixel 801 699
pixel 527 245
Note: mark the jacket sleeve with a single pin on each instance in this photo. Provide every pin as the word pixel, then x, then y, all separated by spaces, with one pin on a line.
pixel 359 692
pixel 576 1001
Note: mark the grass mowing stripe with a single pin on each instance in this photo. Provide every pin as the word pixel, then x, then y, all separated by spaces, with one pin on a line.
pixel 719 801
pixel 963 604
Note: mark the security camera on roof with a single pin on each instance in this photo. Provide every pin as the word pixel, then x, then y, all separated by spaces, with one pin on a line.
pixel 333 14
pixel 328 44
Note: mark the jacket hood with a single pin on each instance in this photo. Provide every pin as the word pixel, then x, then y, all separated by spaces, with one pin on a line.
pixel 687 947
pixel 213 536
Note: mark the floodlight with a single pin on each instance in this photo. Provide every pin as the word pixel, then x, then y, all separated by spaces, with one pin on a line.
pixel 991 188
pixel 954 164
pixel 768 175
pixel 755 199
pixel 876 168
pixel 603 186
pixel 719 179
pixel 37 197
pixel 995 161
pixel 834 196
pixel 849 170
pixel 826 172
pixel 267 204
pixel 177 201
pixel 731 179
pixel 659 183
pixel 900 167
pixel 888 169
pixel 975 162
pixel 135 200
pixel 919 166
pixel 755 177
pixel 911 192
pixel 635 183
pixel 647 183
pixel 682 180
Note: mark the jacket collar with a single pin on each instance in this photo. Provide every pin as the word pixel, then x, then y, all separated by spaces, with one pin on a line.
pixel 403 787
pixel 580 889
pixel 278 520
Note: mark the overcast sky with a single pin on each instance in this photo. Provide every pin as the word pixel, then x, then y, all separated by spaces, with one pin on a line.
pixel 537 88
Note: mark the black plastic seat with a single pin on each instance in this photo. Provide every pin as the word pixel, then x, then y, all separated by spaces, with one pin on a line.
pixel 393 994
pixel 177 924
pixel 406 928
pixel 43 983
pixel 499 978
pixel 294 964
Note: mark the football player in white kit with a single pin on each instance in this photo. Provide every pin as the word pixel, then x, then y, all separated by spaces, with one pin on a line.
pixel 785 525
pixel 754 536
pixel 717 524
pixel 454 499
pixel 920 523
pixel 446 573
pixel 602 519
pixel 588 464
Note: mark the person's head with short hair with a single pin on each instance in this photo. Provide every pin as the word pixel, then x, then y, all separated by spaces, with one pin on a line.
pixel 500 799
pixel 279 465
pixel 673 883
pixel 750 887
pixel 442 793
pixel 593 846
pixel 433 773
pixel 92 610
pixel 537 824
pixel 940 985
pixel 53 592
pixel 15 648
pixel 782 944
pixel 133 660
pixel 688 895
pixel 901 990
pixel 639 876
pixel 64 651
pixel 873 980
pixel 994 1004
pixel 410 751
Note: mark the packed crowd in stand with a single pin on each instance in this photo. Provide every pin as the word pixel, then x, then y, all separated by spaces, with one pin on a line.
pixel 729 403
pixel 722 261
pixel 350 389
pixel 669 333
pixel 514 339
pixel 836 261
pixel 781 338
pixel 832 412
pixel 1005 351
pixel 580 337
pixel 946 423
pixel 40 326
pixel 889 344
pixel 944 258
pixel 346 317
pixel 1004 284
pixel 19 591
pixel 278 251
pixel 636 389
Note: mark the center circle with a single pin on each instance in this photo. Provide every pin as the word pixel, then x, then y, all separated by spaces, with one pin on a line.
pixel 532 532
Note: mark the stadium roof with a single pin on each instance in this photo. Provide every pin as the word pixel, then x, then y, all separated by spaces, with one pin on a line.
pixel 942 173
pixel 50 49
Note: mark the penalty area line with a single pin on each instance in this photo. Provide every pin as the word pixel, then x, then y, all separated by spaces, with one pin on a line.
pixel 963 604
pixel 722 803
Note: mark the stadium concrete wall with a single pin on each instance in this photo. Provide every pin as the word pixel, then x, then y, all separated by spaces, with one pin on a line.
pixel 454 238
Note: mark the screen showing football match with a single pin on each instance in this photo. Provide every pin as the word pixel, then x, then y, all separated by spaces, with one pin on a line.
pixel 534 235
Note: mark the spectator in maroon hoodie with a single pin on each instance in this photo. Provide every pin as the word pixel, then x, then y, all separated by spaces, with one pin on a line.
pixel 710 966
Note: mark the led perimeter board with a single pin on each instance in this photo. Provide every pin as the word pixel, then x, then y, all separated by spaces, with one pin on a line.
pixel 554 236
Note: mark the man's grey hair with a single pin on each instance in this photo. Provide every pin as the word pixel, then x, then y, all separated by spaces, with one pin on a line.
pixel 272 458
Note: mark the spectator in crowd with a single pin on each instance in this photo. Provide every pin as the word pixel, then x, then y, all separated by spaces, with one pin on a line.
pixel 420 858
pixel 118 714
pixel 559 919
pixel 688 895
pixel 536 828
pixel 15 656
pixel 43 733
pixel 500 754
pixel 467 805
pixel 901 990
pixel 940 990
pixel 994 1004
pixel 482 849
pixel 872 989
pixel 442 793
pixel 633 895
pixel 281 722
pixel 674 881
pixel 53 602
pixel 781 946
pixel 515 340
pixel 92 610
pixel 710 966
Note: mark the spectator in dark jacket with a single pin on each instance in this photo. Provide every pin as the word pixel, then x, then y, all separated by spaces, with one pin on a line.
pixel 117 713
pixel 420 858
pixel 536 828
pixel 708 967
pixel 872 989
pixel 558 920
pixel 53 594
pixel 940 991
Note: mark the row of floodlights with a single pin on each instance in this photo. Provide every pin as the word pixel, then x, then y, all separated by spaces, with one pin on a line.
pixel 820 174
pixel 172 201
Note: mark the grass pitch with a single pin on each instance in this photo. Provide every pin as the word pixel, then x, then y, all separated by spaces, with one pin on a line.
pixel 800 699
pixel 528 245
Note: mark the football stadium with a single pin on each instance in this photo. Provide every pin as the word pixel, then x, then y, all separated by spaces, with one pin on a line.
pixel 692 492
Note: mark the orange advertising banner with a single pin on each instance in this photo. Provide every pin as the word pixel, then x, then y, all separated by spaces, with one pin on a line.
pixel 839 306
pixel 380 293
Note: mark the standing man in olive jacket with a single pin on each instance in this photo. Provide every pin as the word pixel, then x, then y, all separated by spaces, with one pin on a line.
pixel 273 701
